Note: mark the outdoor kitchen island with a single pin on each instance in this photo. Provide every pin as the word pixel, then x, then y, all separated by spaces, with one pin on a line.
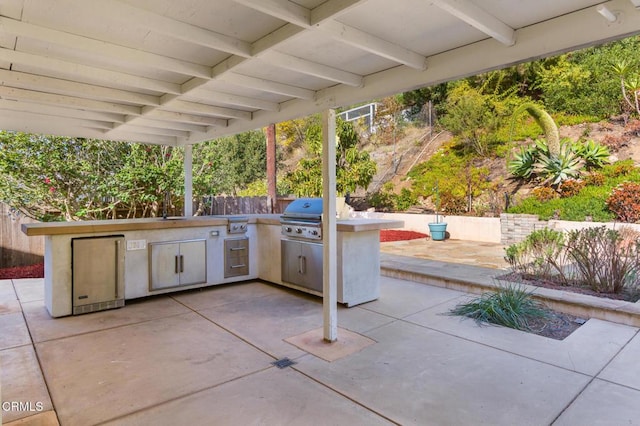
pixel 145 257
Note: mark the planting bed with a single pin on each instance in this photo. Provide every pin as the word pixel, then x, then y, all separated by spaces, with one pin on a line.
pixel 31 271
pixel 387 235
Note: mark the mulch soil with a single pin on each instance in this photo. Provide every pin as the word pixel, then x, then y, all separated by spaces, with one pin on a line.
pixel 519 278
pixel 31 271
pixel 557 325
pixel 388 235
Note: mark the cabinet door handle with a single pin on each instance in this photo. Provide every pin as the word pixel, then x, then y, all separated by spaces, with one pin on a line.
pixel 117 267
pixel 175 263
pixel 238 266
pixel 238 248
pixel 303 265
pixel 181 263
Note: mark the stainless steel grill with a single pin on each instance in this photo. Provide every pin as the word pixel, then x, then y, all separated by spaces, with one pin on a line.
pixel 301 244
pixel 302 219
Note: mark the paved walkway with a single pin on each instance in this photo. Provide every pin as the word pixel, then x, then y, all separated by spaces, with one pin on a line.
pixel 205 357
pixel 487 255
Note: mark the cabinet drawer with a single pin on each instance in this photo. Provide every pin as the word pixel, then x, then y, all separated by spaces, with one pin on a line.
pixel 236 257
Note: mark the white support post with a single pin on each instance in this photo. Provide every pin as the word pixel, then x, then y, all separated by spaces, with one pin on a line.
pixel 330 233
pixel 188 180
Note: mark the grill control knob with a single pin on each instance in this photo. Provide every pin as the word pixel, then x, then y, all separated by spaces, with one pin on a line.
pixel 298 230
pixel 287 229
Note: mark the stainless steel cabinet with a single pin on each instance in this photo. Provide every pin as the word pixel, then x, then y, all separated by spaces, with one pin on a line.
pixel 236 257
pixel 302 264
pixel 97 273
pixel 177 263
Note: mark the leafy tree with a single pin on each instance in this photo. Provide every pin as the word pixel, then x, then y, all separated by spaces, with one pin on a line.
pixel 227 165
pixel 354 168
pixel 415 100
pixel 629 83
pixel 584 83
pixel 48 177
pixel 146 174
pixel 474 118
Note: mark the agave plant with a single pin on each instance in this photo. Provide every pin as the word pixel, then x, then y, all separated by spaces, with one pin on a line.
pixel 522 164
pixel 555 169
pixel 545 121
pixel 594 154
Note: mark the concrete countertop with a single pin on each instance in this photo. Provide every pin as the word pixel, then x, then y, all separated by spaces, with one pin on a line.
pixel 344 225
pixel 100 226
pixel 97 226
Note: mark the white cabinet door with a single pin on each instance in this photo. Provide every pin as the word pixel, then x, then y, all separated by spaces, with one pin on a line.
pixel 193 262
pixel 164 268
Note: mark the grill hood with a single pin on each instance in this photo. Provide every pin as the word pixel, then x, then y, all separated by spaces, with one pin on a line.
pixel 304 209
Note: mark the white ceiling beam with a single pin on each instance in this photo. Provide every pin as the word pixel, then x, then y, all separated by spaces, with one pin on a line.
pixel 138 17
pixel 268 85
pixel 58 126
pixel 479 19
pixel 133 56
pixel 65 87
pixel 206 95
pixel 332 9
pixel 286 10
pixel 88 73
pixel 204 109
pixel 312 68
pixel 373 44
pixel 58 111
pixel 323 19
pixel 154 130
pixel 166 124
pixel 132 136
pixel 66 101
pixel 69 121
pixel 181 117
pixel 272 40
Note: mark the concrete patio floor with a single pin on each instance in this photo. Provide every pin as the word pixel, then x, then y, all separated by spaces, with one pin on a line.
pixel 205 357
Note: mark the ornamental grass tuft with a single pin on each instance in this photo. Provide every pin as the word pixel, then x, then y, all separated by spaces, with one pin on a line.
pixel 509 306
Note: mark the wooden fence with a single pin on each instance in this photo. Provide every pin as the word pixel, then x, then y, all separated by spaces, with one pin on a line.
pixel 241 205
pixel 16 249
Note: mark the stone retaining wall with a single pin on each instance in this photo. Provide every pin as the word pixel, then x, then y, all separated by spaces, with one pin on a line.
pixel 515 227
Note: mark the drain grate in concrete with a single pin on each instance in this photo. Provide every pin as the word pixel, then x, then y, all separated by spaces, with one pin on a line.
pixel 283 363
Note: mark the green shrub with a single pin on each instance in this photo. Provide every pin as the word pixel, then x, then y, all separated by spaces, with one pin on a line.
pixel 603 260
pixel 619 168
pixel 509 306
pixel 590 203
pixel 404 200
pixel 539 254
pixel 381 200
pixel 571 187
pixel 624 202
pixel 594 179
pixel 544 193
